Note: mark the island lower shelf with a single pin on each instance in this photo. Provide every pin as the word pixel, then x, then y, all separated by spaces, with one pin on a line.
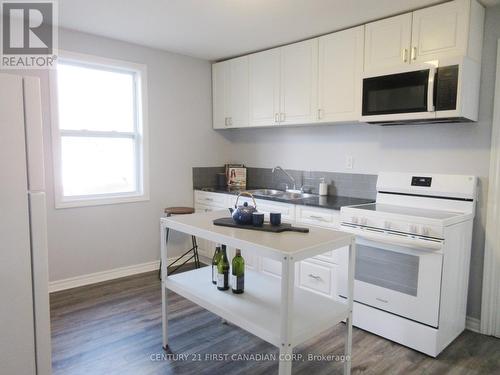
pixel 258 309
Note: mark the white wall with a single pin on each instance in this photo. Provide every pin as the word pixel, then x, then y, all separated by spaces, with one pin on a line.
pixel 444 148
pixel 92 239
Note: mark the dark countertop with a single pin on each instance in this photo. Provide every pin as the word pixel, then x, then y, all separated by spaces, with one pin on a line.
pixel 332 202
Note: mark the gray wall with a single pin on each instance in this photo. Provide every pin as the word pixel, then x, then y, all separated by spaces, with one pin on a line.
pixel 85 240
pixel 450 148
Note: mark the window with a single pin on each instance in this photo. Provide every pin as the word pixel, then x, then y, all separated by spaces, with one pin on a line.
pixel 99 131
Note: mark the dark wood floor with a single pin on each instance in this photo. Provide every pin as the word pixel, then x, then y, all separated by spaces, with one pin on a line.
pixel 115 328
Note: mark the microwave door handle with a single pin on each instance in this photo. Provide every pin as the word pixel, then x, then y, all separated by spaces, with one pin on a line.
pixel 430 90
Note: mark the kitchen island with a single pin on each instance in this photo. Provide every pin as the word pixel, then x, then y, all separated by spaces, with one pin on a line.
pixel 271 308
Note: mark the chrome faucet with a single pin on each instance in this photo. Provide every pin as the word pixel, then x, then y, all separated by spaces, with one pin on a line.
pixel 287 174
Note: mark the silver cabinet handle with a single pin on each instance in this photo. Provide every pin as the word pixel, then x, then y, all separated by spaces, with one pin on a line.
pixel 414 53
pixel 276 118
pixel 317 218
pixel 381 300
pixel 209 199
pixel 230 121
pixel 225 121
pixel 315 277
pixel 404 54
pixel 320 113
pixel 282 117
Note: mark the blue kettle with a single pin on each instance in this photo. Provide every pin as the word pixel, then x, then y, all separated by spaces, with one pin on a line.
pixel 243 214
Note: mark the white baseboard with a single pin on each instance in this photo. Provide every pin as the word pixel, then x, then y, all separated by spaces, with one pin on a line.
pixel 97 277
pixel 473 324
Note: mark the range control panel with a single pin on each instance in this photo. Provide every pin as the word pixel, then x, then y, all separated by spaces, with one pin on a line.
pixel 421 181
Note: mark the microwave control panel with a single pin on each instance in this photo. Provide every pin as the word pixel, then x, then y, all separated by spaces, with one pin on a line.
pixel 446 86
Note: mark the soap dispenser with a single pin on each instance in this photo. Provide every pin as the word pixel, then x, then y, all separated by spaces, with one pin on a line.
pixel 323 187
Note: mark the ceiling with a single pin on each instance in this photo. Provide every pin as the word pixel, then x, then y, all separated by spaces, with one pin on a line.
pixel 218 29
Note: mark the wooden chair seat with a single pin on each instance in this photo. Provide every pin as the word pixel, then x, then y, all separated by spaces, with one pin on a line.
pixel 179 210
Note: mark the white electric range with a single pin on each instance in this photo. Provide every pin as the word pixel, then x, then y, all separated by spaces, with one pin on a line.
pixel 413 255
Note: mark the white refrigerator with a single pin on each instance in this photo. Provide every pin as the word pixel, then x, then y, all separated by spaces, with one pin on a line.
pixel 24 296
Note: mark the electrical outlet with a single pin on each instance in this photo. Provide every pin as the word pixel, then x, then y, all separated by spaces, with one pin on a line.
pixel 349 162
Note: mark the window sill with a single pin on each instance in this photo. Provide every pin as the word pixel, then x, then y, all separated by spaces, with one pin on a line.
pixel 86 202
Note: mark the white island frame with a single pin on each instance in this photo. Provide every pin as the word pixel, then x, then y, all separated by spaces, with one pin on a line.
pixel 272 309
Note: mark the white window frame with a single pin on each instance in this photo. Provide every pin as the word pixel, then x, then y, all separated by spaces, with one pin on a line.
pixel 140 133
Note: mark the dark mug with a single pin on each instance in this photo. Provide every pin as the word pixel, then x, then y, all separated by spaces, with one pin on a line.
pixel 275 218
pixel 257 219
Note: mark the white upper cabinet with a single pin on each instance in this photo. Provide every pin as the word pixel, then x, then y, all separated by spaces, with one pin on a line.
pixel 387 42
pixel 220 94
pixel 230 93
pixel 319 80
pixel 264 87
pixel 340 71
pixel 452 29
pixel 443 30
pixel 299 82
pixel 239 91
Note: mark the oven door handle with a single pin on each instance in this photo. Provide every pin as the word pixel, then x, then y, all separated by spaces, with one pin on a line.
pixel 396 240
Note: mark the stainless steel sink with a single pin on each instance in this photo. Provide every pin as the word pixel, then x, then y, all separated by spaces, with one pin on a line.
pixel 287 195
pixel 294 196
pixel 265 192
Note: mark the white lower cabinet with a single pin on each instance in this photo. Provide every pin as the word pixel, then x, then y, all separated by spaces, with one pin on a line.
pixel 205 247
pixel 207 202
pixel 270 267
pixel 321 274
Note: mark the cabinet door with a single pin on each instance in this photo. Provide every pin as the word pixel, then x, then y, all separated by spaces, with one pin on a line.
pixel 387 43
pixel 220 95
pixel 440 31
pixel 299 82
pixel 264 78
pixel 238 92
pixel 340 73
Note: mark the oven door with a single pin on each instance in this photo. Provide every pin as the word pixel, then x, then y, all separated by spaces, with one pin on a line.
pixel 400 279
pixel 403 96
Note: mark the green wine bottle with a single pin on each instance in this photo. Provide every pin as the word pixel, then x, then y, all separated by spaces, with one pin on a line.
pixel 238 273
pixel 223 270
pixel 215 260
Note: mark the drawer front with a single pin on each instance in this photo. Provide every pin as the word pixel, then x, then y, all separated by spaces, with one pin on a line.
pixel 318 217
pixel 321 218
pixel 318 278
pixel 287 210
pixel 204 208
pixel 210 199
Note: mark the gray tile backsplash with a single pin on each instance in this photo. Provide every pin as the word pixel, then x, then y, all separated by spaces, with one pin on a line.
pixel 342 184
pixel 206 176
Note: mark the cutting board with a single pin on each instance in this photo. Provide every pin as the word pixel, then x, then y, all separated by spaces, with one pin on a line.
pixel 266 227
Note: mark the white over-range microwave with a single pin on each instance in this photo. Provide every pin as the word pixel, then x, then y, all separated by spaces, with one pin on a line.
pixel 436 91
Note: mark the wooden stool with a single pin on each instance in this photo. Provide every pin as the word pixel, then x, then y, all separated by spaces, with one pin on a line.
pixel 169 211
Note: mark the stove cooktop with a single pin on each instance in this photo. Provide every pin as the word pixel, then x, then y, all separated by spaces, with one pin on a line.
pixel 409 211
